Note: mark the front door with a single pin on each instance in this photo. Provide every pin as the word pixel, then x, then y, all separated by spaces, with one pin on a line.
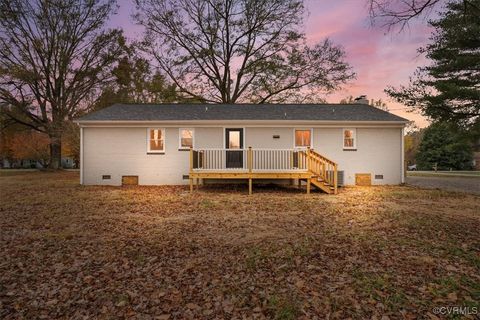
pixel 234 146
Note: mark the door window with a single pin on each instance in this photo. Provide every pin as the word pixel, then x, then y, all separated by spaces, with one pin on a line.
pixel 234 140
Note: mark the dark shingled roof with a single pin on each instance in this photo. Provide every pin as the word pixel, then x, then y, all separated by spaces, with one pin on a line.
pixel 189 112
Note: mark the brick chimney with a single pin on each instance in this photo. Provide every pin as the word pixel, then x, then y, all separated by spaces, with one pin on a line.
pixel 361 99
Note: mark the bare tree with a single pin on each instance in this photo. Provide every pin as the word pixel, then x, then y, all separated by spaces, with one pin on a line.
pixel 398 13
pixel 239 50
pixel 53 54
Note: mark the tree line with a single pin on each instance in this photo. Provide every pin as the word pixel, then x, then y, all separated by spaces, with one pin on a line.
pixel 58 60
pixel 447 90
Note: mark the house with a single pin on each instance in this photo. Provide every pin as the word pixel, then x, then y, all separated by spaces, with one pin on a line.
pixel 323 145
pixel 67 163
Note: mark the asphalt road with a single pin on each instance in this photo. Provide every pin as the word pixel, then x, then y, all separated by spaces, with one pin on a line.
pixel 462 184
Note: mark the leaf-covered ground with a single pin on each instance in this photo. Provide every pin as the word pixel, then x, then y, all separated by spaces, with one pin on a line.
pixel 70 251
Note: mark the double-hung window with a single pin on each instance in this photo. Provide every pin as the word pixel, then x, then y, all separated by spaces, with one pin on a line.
pixel 349 139
pixel 156 140
pixel 303 138
pixel 185 138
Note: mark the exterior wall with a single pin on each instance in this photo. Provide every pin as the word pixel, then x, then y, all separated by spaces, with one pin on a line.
pixel 378 152
pixel 123 151
pixel 208 137
pixel 259 137
pixel 120 151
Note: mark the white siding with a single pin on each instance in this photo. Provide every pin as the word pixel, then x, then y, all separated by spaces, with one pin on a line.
pixel 123 151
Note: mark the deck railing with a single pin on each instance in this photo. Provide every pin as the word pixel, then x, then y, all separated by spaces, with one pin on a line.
pixel 258 160
pixel 265 160
pixel 323 168
pixel 220 159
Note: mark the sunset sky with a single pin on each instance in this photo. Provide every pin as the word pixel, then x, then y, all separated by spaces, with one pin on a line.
pixel 379 58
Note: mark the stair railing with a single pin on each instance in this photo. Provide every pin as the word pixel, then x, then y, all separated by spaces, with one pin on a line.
pixel 323 168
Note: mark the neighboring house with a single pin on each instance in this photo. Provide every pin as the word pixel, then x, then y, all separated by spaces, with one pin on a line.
pixel 476 155
pixel 476 161
pixel 171 144
pixel 20 164
pixel 67 163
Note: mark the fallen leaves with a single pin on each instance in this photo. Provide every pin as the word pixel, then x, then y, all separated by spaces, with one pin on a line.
pixel 70 251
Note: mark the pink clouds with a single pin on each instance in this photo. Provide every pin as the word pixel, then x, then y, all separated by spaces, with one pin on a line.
pixel 380 59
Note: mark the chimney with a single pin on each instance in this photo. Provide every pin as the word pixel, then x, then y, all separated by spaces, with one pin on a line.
pixel 361 99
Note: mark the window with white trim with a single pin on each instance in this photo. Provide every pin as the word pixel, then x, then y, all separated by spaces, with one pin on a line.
pixel 349 138
pixel 303 138
pixel 156 140
pixel 185 138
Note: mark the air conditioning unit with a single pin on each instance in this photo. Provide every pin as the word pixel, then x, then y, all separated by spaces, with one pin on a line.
pixel 340 177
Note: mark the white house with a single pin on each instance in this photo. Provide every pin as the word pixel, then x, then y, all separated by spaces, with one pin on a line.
pixel 171 144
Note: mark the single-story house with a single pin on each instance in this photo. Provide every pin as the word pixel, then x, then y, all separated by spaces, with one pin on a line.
pixel 171 144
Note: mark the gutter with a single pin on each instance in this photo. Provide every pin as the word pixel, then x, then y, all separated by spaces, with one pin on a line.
pixel 288 123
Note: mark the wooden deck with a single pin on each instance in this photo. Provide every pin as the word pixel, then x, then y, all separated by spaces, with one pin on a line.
pixel 254 164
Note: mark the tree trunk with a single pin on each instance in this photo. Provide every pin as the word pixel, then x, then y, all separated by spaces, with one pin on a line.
pixel 55 153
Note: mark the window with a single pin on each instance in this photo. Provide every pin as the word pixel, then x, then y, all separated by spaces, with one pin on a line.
pixel 186 138
pixel 349 137
pixel 156 140
pixel 234 140
pixel 303 138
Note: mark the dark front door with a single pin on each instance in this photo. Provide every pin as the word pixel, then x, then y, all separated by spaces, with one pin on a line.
pixel 234 144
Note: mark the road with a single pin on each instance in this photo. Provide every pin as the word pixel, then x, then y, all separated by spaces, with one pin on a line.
pixel 462 184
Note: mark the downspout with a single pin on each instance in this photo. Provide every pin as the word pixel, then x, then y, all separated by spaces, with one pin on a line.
pixel 403 154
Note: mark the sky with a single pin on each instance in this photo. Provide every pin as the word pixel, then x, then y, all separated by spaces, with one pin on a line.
pixel 379 58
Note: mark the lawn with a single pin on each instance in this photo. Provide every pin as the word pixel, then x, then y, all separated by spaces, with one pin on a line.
pixel 473 174
pixel 70 251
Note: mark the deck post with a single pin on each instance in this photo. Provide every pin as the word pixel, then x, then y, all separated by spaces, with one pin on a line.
pixel 291 160
pixel 191 169
pixel 308 185
pixel 249 159
pixel 308 158
pixel 250 166
pixel 335 179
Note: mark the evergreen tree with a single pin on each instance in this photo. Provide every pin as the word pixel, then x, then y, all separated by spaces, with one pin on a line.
pixel 448 89
pixel 445 146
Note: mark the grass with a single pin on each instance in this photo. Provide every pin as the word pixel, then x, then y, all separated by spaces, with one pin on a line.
pixel 71 251
pixel 466 174
pixel 283 308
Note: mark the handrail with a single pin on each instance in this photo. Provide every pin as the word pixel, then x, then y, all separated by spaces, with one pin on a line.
pixel 315 154
pixel 324 168
pixel 264 160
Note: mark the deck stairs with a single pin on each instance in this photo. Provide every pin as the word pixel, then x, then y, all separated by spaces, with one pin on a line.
pixel 324 172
